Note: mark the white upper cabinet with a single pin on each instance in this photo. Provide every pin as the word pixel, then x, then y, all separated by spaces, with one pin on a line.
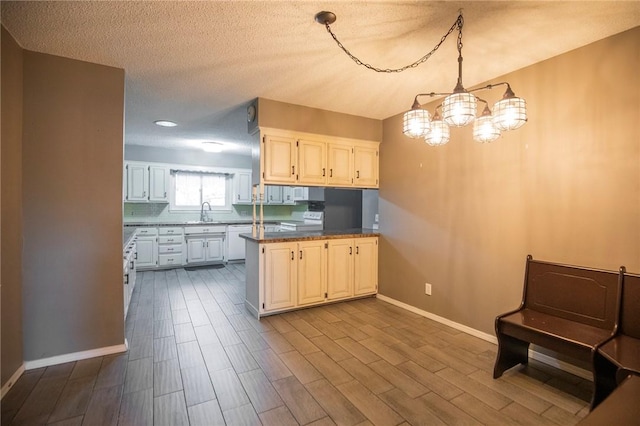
pixel 365 164
pixel 312 162
pixel 294 158
pixel 145 182
pixel 137 182
pixel 242 187
pixel 279 159
pixel 340 156
pixel 158 183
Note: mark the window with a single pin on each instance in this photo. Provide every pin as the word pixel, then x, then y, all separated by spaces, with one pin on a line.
pixel 191 189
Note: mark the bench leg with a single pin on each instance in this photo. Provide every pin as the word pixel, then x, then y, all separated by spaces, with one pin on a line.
pixel 511 352
pixel 604 379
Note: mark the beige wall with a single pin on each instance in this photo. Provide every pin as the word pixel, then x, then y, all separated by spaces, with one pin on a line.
pixel 281 115
pixel 72 189
pixel 565 187
pixel 11 219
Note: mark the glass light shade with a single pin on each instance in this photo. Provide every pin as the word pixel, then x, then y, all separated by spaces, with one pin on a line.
pixel 484 130
pixel 416 123
pixel 459 109
pixel 439 133
pixel 510 113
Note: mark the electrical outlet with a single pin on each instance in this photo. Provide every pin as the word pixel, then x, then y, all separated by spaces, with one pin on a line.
pixel 427 289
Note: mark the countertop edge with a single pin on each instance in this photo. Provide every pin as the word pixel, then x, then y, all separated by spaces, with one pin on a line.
pixel 281 237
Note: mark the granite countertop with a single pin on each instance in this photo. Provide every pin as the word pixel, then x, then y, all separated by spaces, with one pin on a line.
pixel 281 237
pixel 192 223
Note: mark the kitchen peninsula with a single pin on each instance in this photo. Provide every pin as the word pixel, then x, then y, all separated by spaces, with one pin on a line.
pixel 286 271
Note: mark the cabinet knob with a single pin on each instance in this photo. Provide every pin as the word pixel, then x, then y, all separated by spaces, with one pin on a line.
pixel 323 172
pixel 330 172
pixel 357 174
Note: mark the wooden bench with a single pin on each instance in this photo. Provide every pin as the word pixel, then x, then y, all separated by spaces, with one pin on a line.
pixel 620 356
pixel 568 309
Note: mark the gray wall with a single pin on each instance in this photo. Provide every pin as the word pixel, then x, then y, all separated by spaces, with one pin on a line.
pixel 281 115
pixel 186 156
pixel 11 218
pixel 565 187
pixel 72 189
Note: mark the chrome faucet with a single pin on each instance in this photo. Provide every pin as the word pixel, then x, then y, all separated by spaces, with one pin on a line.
pixel 202 215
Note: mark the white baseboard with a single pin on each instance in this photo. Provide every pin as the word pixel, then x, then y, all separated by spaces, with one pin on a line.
pixel 12 380
pixel 75 356
pixel 546 359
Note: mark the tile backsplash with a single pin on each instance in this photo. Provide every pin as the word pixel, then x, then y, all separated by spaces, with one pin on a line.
pixel 159 212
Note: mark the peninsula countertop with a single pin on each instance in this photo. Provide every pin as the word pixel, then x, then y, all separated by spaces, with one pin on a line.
pixel 281 237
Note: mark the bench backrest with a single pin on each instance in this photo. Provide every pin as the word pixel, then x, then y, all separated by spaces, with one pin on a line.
pixel 578 294
pixel 630 310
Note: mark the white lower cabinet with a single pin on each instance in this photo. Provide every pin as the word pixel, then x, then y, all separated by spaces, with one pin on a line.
pixel 129 274
pixel 201 249
pixel 365 266
pixel 147 246
pixel 312 272
pixel 340 269
pixel 280 276
pixel 306 273
pixel 170 246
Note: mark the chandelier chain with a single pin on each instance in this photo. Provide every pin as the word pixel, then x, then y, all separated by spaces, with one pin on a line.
pixel 456 25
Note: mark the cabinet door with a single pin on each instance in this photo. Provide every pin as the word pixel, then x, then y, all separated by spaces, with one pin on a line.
pixel 242 187
pixel 300 193
pixel 279 159
pixel 365 160
pixel 279 276
pixel 273 195
pixel 195 250
pixel 137 182
pixel 340 164
pixel 312 272
pixel 287 195
pixel 214 248
pixel 340 269
pixel 365 266
pixel 147 248
pixel 158 183
pixel 312 162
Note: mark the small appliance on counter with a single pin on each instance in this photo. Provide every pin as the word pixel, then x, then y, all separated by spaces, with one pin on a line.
pixel 311 221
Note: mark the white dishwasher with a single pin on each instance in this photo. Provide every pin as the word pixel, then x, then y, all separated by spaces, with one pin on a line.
pixel 235 244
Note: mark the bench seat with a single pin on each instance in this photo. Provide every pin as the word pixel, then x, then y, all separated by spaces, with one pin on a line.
pixel 620 356
pixel 623 351
pixel 570 310
pixel 554 332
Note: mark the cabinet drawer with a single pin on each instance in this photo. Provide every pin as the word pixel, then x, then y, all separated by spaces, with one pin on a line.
pixel 147 231
pixel 170 239
pixel 170 259
pixel 213 229
pixel 170 248
pixel 170 231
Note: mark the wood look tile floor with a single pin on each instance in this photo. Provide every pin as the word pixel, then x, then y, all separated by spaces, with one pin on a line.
pixel 196 356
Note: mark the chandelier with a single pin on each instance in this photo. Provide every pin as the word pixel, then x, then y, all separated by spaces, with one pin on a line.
pixel 459 107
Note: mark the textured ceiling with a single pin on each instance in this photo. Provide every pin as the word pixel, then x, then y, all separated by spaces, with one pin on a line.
pixel 200 63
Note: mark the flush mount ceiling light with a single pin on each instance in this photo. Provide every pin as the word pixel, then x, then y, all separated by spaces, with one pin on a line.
pixel 212 146
pixel 459 107
pixel 165 123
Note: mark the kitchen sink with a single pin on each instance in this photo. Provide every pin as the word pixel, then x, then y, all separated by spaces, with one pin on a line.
pixel 200 222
